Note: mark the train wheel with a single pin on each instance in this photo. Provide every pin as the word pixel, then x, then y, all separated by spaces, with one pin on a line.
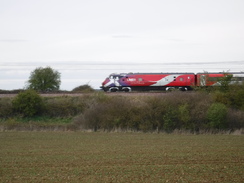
pixel 114 89
pixel 182 88
pixel 126 89
pixel 170 89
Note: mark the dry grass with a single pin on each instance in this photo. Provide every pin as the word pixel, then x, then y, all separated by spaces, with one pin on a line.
pixel 120 157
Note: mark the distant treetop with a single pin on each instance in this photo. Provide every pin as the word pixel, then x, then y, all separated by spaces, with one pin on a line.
pixel 44 80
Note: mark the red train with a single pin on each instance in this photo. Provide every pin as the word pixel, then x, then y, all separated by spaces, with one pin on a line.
pixel 164 81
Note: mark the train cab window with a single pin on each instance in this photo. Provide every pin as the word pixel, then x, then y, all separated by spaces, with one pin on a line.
pixel 140 79
pixel 181 79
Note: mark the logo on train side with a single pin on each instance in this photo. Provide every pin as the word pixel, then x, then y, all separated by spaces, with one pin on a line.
pixel 131 79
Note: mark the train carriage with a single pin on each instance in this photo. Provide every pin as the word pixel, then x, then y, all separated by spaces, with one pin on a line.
pixel 214 79
pixel 148 81
pixel 166 81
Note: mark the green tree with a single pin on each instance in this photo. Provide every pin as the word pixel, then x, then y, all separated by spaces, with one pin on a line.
pixel 28 103
pixel 44 80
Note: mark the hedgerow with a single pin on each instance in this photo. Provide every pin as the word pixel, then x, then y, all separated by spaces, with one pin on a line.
pixel 63 106
pixel 198 111
pixel 185 111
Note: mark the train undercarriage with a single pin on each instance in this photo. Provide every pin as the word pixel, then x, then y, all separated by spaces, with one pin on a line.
pixel 144 88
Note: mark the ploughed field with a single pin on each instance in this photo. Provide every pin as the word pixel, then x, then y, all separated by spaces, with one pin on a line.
pixel 120 157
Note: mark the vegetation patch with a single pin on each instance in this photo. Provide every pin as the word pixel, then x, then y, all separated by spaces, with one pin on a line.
pixel 195 112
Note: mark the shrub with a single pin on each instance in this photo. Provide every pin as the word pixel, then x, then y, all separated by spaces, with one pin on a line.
pixel 83 88
pixel 6 108
pixel 198 106
pixel 170 120
pixel 91 118
pixel 154 111
pixel 216 115
pixel 235 119
pixel 237 98
pixel 233 98
pixel 221 97
pixel 28 103
pixel 63 106
pixel 184 116
pixel 118 112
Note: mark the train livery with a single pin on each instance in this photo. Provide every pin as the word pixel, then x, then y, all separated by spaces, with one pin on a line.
pixel 165 81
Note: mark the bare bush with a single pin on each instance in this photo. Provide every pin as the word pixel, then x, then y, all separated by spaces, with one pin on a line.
pixel 235 119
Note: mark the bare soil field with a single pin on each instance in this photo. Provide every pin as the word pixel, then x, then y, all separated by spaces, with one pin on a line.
pixel 120 157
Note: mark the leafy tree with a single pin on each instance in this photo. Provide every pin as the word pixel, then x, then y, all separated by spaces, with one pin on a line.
pixel 44 79
pixel 28 103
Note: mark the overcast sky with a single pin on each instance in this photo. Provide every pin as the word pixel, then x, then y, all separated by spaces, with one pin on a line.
pixel 86 40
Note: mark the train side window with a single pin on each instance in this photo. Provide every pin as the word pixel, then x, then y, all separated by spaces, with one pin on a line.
pixel 213 78
pixel 139 79
pixel 181 79
pixel 237 79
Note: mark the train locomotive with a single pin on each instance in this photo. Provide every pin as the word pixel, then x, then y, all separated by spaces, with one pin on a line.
pixel 165 81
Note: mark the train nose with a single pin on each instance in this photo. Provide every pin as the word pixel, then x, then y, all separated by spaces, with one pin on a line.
pixel 105 82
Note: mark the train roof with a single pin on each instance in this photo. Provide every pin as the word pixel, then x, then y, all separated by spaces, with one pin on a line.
pixel 149 73
pixel 220 73
pixel 163 73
